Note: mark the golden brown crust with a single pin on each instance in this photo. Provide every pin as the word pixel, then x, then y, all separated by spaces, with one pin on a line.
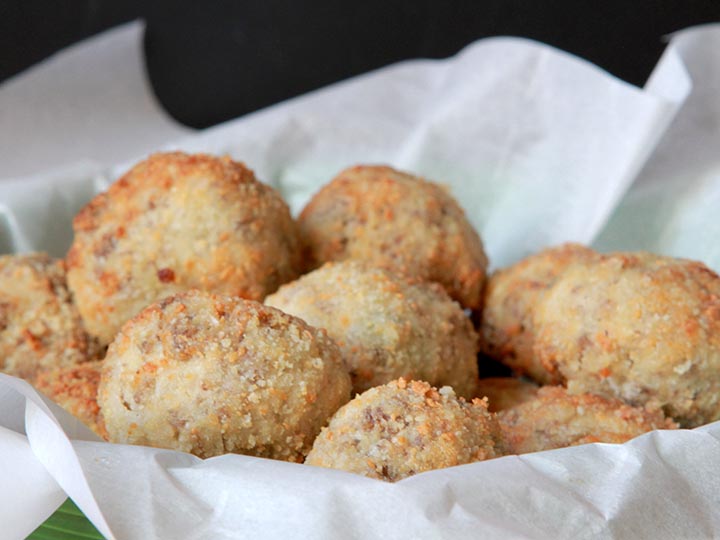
pixel 506 327
pixel 403 428
pixel 640 327
pixel 505 392
pixel 177 221
pixel 40 327
pixel 555 419
pixel 386 326
pixel 398 221
pixel 212 374
pixel 75 388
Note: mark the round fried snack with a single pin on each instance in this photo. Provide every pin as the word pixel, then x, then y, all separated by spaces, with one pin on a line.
pixel 506 326
pixel 640 327
pixel 40 327
pixel 505 392
pixel 176 222
pixel 387 327
pixel 556 419
pixel 394 431
pixel 75 389
pixel 392 219
pixel 211 375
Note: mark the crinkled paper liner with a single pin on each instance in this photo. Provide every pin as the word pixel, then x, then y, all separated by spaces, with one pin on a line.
pixel 540 148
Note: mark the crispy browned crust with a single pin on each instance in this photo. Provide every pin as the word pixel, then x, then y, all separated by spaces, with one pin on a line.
pixel 511 295
pixel 555 419
pixel 640 327
pixel 403 428
pixel 40 327
pixel 395 220
pixel 74 388
pixel 386 326
pixel 211 374
pixel 177 221
pixel 505 392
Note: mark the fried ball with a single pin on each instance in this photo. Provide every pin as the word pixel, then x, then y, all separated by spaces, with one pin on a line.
pixel 398 221
pixel 40 327
pixel 211 375
pixel 506 327
pixel 555 419
pixel 75 389
pixel 640 327
pixel 386 327
pixel 394 431
pixel 505 392
pixel 176 222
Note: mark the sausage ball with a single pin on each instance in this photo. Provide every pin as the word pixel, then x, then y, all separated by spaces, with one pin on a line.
pixel 555 419
pixel 393 219
pixel 505 392
pixel 75 389
pixel 177 222
pixel 506 326
pixel 394 431
pixel 640 327
pixel 40 327
pixel 386 326
pixel 211 375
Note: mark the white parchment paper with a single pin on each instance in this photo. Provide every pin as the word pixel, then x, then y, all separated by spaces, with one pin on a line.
pixel 539 147
pixel 90 102
pixel 673 205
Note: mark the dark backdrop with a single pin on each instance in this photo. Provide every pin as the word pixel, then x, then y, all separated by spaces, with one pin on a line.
pixel 211 61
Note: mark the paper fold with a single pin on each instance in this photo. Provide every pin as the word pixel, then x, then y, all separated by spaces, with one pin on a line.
pixel 672 207
pixel 92 100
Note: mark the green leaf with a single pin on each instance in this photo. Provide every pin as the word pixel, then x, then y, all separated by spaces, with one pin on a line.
pixel 67 523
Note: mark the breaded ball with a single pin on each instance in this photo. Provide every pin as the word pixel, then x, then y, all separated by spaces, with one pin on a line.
pixel 506 327
pixel 40 327
pixel 555 419
pixel 394 431
pixel 505 392
pixel 640 327
pixel 211 375
pixel 393 219
pixel 386 326
pixel 75 389
pixel 176 222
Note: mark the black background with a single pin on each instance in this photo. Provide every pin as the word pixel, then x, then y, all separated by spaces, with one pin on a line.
pixel 211 61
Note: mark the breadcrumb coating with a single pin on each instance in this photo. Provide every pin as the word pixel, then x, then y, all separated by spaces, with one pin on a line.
pixel 640 327
pixel 175 222
pixel 403 428
pixel 556 419
pixel 505 392
pixel 212 374
pixel 386 326
pixel 506 326
pixel 395 220
pixel 75 389
pixel 40 327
